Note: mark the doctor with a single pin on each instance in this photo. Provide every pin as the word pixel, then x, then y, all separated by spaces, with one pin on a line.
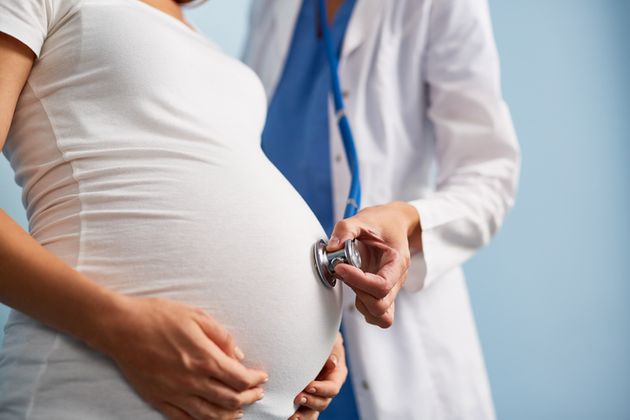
pixel 439 164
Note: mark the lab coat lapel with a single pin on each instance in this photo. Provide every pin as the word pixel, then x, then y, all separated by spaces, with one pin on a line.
pixel 365 19
pixel 285 14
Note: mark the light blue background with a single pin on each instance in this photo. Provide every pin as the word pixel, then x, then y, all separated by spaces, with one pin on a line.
pixel 551 293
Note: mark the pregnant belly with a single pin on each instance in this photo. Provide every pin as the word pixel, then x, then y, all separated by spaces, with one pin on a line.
pixel 235 241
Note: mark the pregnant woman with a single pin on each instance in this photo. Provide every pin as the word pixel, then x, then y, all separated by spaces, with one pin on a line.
pixel 156 225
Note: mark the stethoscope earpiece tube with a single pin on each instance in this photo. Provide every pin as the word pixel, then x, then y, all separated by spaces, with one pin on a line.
pixel 325 263
pixel 354 195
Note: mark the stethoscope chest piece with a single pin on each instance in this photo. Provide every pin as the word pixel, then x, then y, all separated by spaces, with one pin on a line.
pixel 325 262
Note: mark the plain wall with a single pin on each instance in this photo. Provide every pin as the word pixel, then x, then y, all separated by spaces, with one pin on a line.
pixel 550 294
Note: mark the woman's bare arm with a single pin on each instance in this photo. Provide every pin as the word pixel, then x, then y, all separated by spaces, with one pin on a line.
pixel 178 358
pixel 31 277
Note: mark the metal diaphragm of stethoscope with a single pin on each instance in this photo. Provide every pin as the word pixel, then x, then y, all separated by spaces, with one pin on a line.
pixel 325 262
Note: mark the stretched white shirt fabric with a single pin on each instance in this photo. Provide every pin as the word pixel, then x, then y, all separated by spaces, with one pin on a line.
pixel 422 90
pixel 137 145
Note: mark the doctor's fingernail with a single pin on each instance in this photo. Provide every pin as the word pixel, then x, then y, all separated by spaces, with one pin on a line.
pixel 303 400
pixel 333 241
pixel 312 390
pixel 239 353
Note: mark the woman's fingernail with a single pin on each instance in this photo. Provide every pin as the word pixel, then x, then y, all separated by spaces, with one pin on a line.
pixel 265 380
pixel 334 360
pixel 239 353
pixel 239 415
pixel 303 400
pixel 312 390
pixel 261 396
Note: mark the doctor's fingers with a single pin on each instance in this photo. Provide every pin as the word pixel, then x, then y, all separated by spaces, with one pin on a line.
pixel 344 230
pixel 375 285
pixel 384 321
pixel 379 307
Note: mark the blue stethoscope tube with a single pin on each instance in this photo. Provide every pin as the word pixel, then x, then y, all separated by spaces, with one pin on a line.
pixel 354 195
pixel 324 262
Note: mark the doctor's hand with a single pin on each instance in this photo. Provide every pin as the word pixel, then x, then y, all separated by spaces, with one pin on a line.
pixel 319 393
pixel 180 360
pixel 386 234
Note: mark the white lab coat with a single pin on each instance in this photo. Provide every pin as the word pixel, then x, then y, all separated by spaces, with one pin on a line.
pixel 423 97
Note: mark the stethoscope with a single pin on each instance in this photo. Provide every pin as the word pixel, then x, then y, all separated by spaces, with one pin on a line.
pixel 324 262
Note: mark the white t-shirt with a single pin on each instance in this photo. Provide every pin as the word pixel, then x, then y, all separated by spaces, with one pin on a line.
pixel 137 145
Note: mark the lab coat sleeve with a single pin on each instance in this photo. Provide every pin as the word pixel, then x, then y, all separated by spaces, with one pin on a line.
pixel 476 148
pixel 255 12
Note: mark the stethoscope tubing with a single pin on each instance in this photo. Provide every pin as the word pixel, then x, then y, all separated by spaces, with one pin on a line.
pixel 354 195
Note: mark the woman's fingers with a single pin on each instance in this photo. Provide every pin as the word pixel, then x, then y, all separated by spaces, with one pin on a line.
pixel 329 386
pixel 200 409
pixel 173 413
pixel 174 354
pixel 232 373
pixel 305 413
pixel 319 393
pixel 225 365
pixel 218 393
pixel 312 401
pixel 219 335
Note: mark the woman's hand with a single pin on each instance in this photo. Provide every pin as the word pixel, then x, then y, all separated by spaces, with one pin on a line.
pixel 180 360
pixel 318 394
pixel 386 236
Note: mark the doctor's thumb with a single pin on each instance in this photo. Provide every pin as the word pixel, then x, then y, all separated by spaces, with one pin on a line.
pixel 344 230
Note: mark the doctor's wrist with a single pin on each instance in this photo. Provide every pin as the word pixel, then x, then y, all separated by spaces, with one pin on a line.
pixel 411 219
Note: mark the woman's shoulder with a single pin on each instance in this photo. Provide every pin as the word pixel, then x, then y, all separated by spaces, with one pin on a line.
pixel 31 21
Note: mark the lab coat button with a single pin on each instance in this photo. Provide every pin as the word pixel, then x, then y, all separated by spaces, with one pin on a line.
pixel 351 307
pixel 346 93
pixel 365 385
pixel 338 157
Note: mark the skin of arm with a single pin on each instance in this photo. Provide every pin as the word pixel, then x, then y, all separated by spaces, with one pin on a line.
pixel 176 357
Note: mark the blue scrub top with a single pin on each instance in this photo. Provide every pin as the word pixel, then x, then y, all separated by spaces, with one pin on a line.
pixel 296 135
